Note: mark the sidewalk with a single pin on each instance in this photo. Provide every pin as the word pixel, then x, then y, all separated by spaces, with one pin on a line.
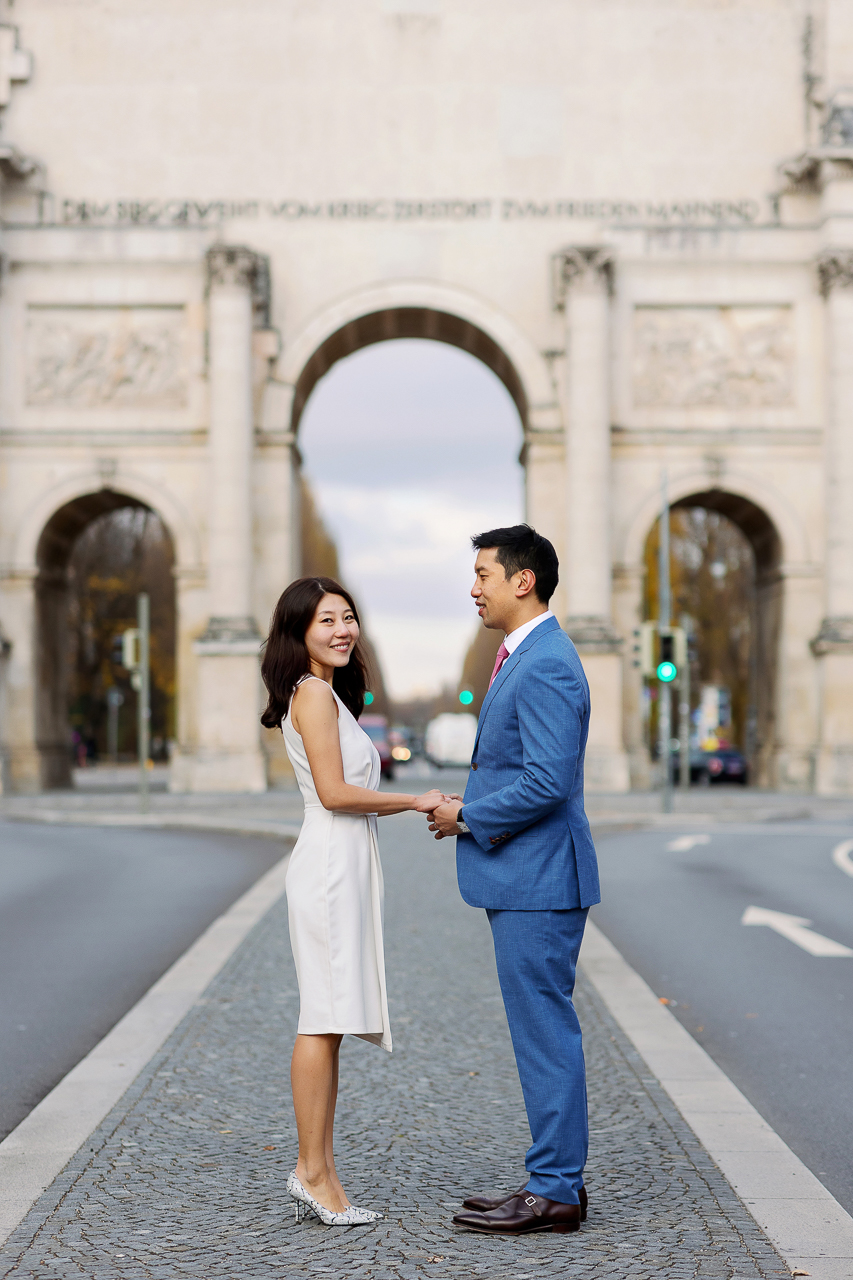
pixel 186 1176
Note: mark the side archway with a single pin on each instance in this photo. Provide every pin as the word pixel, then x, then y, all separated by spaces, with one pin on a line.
pixel 762 605
pixel 52 596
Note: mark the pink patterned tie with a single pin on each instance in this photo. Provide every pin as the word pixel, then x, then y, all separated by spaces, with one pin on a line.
pixel 503 654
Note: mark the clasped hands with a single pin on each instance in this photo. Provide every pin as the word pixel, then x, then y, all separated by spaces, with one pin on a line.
pixel 442 816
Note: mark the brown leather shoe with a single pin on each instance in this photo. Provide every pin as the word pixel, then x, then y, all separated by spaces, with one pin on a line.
pixel 521 1214
pixel 484 1203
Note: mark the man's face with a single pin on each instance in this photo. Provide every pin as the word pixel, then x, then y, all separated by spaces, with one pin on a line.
pixel 494 594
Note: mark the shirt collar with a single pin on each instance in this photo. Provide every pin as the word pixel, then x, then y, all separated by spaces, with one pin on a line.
pixel 514 639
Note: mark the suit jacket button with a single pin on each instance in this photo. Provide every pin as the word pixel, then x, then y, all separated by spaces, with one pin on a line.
pixel 473 766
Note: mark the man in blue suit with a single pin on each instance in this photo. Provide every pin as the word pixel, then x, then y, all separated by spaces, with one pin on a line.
pixel 525 853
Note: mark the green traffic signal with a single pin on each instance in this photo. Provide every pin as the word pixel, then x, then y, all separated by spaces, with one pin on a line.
pixel 667 671
pixel 368 698
pixel 466 697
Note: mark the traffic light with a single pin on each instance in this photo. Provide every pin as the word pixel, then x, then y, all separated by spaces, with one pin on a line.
pixel 667 670
pixel 466 697
pixel 660 654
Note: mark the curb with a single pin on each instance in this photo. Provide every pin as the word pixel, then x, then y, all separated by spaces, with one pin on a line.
pixel 192 821
pixel 804 1222
pixel 37 1150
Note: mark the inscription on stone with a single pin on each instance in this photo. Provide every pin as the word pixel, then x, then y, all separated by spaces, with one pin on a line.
pixel 738 357
pixel 94 357
pixel 181 212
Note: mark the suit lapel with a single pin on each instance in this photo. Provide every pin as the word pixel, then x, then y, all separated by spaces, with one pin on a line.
pixel 512 661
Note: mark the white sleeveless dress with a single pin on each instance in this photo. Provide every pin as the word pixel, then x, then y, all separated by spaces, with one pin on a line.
pixel 335 899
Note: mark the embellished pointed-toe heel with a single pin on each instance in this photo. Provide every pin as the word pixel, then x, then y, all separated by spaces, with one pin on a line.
pixel 349 1217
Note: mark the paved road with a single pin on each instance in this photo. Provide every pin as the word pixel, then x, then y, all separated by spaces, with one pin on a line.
pixel 777 1020
pixel 186 1177
pixel 89 919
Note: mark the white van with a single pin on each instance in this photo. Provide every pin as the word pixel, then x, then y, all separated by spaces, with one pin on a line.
pixel 450 739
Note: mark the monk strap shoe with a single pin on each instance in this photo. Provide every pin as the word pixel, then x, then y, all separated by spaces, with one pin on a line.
pixel 522 1214
pixel 484 1203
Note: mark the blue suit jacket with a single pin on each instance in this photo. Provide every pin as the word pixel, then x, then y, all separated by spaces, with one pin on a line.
pixel 530 847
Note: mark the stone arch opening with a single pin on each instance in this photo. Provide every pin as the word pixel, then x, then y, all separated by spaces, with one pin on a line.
pixel 408 322
pixel 736 609
pixel 412 329
pixel 56 590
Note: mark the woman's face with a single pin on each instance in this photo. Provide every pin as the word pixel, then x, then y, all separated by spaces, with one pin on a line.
pixel 332 633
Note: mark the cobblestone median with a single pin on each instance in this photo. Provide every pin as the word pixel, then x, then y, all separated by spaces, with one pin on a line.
pixel 186 1176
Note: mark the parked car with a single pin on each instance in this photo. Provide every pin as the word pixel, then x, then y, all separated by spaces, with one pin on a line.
pixel 450 739
pixel 376 728
pixel 725 764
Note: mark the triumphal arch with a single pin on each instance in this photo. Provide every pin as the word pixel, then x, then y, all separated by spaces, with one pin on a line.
pixel 638 214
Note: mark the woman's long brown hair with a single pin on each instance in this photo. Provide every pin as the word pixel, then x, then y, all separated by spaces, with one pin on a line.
pixel 286 658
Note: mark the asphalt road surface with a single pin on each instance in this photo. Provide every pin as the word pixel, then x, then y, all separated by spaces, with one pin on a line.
pixel 90 917
pixel 777 1019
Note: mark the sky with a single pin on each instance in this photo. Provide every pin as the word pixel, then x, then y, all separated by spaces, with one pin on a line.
pixel 411 447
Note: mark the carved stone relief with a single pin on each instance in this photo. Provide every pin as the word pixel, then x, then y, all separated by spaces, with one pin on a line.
pixel 739 357
pixel 97 357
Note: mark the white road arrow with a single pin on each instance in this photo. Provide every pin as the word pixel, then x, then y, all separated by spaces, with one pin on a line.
pixel 841 857
pixel 795 929
pixel 682 844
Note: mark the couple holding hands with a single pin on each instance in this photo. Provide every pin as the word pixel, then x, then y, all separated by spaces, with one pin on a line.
pixel 524 853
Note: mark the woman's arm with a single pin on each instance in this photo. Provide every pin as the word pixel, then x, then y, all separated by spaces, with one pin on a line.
pixel 317 724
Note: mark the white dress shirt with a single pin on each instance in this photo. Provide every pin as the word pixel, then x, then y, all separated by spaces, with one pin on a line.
pixel 514 639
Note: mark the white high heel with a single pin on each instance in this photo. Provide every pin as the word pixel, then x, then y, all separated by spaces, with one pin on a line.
pixel 306 1204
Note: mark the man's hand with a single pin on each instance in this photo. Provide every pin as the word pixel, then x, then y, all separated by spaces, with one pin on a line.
pixel 443 818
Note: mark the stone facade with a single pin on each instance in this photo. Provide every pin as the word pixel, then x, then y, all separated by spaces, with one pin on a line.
pixel 640 217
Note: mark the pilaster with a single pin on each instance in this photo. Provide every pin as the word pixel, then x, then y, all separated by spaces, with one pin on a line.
pixel 227 754
pixel 833 644
pixel 582 282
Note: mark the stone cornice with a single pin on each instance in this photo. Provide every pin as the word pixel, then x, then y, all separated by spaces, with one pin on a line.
pixel 835 269
pixel 591 263
pixel 835 636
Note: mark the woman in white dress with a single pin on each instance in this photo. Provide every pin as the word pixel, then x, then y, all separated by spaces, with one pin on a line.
pixel 316 679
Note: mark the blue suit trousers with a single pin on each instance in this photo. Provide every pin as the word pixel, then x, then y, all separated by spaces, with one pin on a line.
pixel 536 954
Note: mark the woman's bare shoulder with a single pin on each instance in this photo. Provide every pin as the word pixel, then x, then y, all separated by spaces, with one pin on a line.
pixel 313 695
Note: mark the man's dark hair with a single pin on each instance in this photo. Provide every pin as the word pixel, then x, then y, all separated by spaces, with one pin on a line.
pixel 520 547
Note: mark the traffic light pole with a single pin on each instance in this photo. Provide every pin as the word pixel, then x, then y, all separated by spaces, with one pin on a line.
pixel 664 610
pixel 684 710
pixel 143 620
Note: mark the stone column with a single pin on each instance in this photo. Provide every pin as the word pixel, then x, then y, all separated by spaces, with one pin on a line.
pixel 227 754
pixel 582 285
pixel 834 641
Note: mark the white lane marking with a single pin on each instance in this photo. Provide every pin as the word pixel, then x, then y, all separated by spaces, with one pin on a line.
pixel 795 929
pixel 684 843
pixel 841 857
